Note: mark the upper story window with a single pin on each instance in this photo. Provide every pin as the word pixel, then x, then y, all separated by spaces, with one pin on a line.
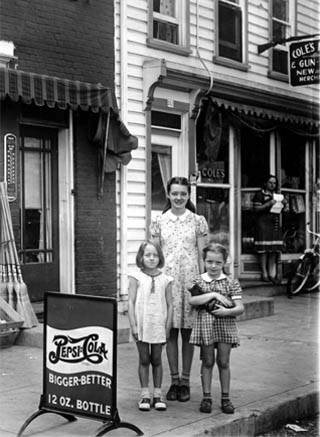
pixel 281 28
pixel 169 26
pixel 231 31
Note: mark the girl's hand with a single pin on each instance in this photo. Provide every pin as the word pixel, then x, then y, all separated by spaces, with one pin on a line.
pixel 224 300
pixel 168 333
pixel 135 334
pixel 221 311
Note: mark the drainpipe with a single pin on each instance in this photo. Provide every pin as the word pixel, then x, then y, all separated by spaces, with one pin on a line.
pixel 123 295
pixel 198 51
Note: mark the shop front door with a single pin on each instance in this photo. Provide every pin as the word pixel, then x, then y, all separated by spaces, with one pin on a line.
pixel 39 230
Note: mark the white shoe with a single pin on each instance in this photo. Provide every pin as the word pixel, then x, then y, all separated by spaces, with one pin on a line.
pixel 144 404
pixel 159 404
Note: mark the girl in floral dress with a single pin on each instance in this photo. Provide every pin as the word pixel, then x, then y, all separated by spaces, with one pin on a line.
pixel 150 316
pixel 218 300
pixel 182 235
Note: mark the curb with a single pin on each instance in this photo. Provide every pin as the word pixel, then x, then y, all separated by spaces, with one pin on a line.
pixel 256 418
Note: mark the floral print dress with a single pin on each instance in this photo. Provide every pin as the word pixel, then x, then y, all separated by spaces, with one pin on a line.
pixel 178 237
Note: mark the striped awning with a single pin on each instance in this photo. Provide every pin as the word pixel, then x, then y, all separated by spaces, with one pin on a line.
pixel 55 92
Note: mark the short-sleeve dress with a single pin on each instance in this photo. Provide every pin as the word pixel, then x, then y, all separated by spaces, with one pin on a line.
pixel 268 233
pixel 151 306
pixel 178 238
pixel 209 329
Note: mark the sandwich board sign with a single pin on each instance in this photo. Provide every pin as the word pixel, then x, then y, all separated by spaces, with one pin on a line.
pixel 80 360
pixel 304 62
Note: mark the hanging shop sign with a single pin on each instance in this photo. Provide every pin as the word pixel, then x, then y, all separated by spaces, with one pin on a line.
pixel 304 62
pixel 79 360
pixel 10 165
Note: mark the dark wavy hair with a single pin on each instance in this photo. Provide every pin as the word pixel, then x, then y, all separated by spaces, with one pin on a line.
pixel 142 248
pixel 179 181
pixel 269 177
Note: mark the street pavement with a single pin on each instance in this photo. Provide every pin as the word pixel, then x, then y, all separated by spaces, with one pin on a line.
pixel 275 379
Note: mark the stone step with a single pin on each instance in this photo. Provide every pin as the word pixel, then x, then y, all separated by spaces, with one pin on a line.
pixel 254 307
pixel 262 289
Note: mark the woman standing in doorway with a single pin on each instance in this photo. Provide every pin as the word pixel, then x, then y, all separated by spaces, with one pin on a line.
pixel 181 234
pixel 268 241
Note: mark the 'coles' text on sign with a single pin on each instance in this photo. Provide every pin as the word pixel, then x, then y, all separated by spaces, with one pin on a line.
pixel 304 62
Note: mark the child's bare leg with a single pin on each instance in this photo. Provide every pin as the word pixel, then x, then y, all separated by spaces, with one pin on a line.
pixel 207 353
pixel 144 363
pixel 223 362
pixel 156 362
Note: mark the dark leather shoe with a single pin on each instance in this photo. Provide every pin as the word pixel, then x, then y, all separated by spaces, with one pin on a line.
pixel 184 394
pixel 173 392
pixel 227 407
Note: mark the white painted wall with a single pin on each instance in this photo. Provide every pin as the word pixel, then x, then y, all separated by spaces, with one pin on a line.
pixel 131 34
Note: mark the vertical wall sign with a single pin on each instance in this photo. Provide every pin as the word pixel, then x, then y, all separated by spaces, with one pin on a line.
pixel 10 165
pixel 80 360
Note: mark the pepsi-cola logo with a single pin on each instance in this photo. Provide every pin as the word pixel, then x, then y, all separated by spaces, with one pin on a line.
pixel 76 350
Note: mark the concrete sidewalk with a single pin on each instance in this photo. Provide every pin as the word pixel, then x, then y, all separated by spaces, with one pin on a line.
pixel 275 380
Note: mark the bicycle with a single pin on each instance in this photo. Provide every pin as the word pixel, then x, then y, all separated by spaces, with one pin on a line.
pixel 306 271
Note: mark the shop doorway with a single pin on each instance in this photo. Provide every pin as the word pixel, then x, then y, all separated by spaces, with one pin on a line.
pixel 39 211
pixel 169 155
pixel 285 155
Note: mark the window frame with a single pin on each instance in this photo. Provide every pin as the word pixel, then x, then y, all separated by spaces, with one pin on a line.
pixel 290 31
pixel 183 22
pixel 223 60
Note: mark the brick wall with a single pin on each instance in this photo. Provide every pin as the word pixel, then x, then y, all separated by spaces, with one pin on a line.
pixel 74 39
pixel 95 233
pixel 64 38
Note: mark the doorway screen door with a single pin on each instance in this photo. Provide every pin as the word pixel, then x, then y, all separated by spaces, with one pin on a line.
pixel 39 242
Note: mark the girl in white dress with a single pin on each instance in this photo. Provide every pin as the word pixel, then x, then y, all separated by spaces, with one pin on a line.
pixel 150 316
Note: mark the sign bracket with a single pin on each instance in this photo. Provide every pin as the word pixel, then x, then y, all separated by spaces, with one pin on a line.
pixel 42 411
pixel 115 424
pixel 80 360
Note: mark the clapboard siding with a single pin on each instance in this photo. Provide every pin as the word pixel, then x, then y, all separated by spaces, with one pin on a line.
pixel 137 52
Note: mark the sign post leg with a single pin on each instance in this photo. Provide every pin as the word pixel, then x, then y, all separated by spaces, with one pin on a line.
pixel 68 417
pixel 115 424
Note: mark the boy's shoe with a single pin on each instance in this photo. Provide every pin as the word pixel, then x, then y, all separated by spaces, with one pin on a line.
pixel 159 404
pixel 227 407
pixel 144 404
pixel 173 392
pixel 184 393
pixel 206 405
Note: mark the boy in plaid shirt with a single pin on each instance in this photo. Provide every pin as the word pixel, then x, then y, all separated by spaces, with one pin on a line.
pixel 218 301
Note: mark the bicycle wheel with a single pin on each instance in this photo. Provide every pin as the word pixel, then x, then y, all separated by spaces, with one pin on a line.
pixel 314 282
pixel 299 276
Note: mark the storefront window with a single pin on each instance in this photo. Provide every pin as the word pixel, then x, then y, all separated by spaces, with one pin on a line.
pixel 293 184
pixel 255 164
pixel 213 203
pixel 213 190
pixel 212 146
